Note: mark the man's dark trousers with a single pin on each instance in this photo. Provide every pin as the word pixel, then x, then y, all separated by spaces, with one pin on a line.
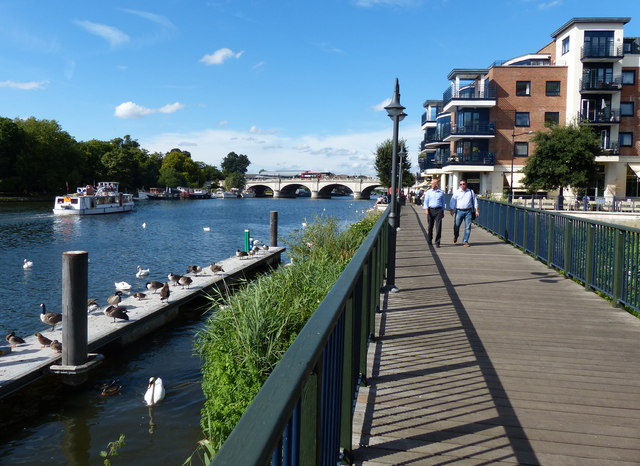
pixel 435 219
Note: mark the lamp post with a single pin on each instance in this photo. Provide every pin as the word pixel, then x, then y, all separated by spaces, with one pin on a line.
pixel 396 113
pixel 513 156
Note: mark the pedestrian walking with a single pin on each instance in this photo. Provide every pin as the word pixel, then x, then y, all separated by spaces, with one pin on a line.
pixel 464 206
pixel 434 208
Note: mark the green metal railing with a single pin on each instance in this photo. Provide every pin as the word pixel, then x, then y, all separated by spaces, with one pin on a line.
pixel 303 413
pixel 603 256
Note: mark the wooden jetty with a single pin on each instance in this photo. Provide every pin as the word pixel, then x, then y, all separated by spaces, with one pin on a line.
pixel 487 356
pixel 28 362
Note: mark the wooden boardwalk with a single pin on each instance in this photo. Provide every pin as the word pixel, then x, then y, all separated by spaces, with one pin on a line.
pixel 487 356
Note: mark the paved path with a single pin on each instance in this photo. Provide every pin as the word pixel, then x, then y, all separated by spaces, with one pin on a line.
pixel 487 356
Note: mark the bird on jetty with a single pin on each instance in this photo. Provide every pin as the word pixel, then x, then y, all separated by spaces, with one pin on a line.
pixel 241 254
pixel 139 296
pixel 251 252
pixel 265 247
pixel 44 341
pixel 173 278
pixel 117 312
pixel 92 305
pixel 50 318
pixel 154 286
pixel 122 286
pixel 155 391
pixel 115 298
pixel 27 264
pixel 215 268
pixel 165 292
pixel 194 269
pixel 56 346
pixel 142 272
pixel 185 281
pixel 14 340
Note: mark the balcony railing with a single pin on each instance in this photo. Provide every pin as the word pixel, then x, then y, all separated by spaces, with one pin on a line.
pixel 469 93
pixel 589 83
pixel 477 129
pixel 603 116
pixel 474 158
pixel 602 51
pixel 612 148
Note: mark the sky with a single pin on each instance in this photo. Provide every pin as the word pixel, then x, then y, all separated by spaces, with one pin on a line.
pixel 292 84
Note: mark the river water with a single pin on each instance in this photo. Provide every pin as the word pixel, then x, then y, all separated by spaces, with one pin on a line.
pixel 72 426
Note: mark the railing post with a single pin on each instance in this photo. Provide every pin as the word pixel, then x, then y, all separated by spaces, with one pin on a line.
pixel 618 266
pixel 567 246
pixel 348 387
pixel 514 222
pixel 588 273
pixel 525 229
pixel 536 235
pixel 310 418
pixel 550 232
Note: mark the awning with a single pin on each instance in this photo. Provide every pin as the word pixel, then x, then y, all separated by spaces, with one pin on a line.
pixel 517 179
pixel 635 167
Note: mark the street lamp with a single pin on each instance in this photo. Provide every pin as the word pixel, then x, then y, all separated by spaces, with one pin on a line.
pixel 401 155
pixel 396 113
pixel 513 156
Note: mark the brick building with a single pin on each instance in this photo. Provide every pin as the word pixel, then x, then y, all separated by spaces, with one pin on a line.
pixel 482 127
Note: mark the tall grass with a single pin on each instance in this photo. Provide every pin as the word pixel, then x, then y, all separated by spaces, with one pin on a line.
pixel 249 332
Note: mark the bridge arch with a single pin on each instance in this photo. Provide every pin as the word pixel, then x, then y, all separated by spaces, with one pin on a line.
pixel 320 188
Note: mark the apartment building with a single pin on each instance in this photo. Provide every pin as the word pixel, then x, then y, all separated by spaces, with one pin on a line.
pixel 481 129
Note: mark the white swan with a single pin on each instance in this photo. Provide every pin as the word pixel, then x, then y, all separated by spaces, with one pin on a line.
pixel 206 228
pixel 142 272
pixel 27 264
pixel 144 225
pixel 122 286
pixel 155 391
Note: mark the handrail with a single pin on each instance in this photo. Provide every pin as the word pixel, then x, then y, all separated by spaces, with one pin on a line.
pixel 304 409
pixel 603 256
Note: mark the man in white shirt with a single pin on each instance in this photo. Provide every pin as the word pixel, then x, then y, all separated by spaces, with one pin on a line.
pixel 463 204
pixel 434 208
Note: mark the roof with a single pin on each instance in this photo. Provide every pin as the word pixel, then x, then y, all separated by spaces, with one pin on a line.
pixel 467 73
pixel 573 21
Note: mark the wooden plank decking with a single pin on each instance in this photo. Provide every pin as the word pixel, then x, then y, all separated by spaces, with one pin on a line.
pixel 487 356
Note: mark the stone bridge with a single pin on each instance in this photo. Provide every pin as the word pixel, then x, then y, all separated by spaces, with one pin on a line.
pixel 320 187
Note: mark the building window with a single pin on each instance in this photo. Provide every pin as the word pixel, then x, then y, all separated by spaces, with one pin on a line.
pixel 553 88
pixel 552 118
pixel 626 139
pixel 522 119
pixel 626 108
pixel 565 45
pixel 628 77
pixel 523 87
pixel 521 149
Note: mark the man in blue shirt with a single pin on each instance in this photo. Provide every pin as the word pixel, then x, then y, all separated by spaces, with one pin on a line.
pixel 463 204
pixel 434 207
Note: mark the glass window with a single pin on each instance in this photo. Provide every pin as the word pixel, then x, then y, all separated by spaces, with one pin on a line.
pixel 523 87
pixel 626 139
pixel 628 77
pixel 552 118
pixel 553 88
pixel 521 149
pixel 626 108
pixel 522 119
pixel 565 45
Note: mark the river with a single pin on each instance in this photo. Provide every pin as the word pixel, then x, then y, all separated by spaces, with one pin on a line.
pixel 72 426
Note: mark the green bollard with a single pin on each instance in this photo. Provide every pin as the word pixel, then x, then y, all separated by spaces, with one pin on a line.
pixel 246 241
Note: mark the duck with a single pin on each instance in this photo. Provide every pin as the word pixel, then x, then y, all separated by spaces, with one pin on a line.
pixel 265 247
pixel 165 292
pixel 27 264
pixel 92 304
pixel 14 340
pixel 44 341
pixel 155 391
pixel 122 286
pixel 50 318
pixel 173 278
pixel 185 281
pixel 111 388
pixel 194 269
pixel 56 346
pixel 142 272
pixel 117 312
pixel 154 286
pixel 206 228
pixel 241 254
pixel 139 296
pixel 115 298
pixel 215 268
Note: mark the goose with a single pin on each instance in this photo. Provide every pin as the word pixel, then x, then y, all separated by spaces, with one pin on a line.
pixel 56 346
pixel 117 312
pixel 215 268
pixel 265 247
pixel 173 278
pixel 206 228
pixel 185 281
pixel 241 254
pixel 139 296
pixel 44 341
pixel 165 292
pixel 14 340
pixel 155 391
pixel 27 264
pixel 92 304
pixel 122 286
pixel 50 318
pixel 256 249
pixel 251 252
pixel 194 269
pixel 115 298
pixel 154 286
pixel 142 272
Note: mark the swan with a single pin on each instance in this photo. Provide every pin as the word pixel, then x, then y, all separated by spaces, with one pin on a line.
pixel 144 225
pixel 155 391
pixel 206 228
pixel 122 286
pixel 27 264
pixel 142 272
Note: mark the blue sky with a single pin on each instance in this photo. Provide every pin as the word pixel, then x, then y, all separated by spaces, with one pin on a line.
pixel 291 84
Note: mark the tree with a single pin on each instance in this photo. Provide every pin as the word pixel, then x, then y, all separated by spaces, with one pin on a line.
pixel 235 163
pixel 234 180
pixel 11 144
pixel 383 163
pixel 564 156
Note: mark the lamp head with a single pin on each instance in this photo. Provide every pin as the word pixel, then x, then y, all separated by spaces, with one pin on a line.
pixel 394 109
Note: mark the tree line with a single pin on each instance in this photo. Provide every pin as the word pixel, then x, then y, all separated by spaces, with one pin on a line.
pixel 39 157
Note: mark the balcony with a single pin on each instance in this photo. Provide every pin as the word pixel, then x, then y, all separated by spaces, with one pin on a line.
pixel 592 84
pixel 610 148
pixel 601 53
pixel 605 116
pixel 475 158
pixel 476 130
pixel 469 96
pixel 426 122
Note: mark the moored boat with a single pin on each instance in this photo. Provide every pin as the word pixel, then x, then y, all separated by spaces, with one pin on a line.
pixel 163 194
pixel 105 199
pixel 248 193
pixel 222 194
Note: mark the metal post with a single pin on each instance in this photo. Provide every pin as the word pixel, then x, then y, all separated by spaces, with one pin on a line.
pixel 75 279
pixel 247 246
pixel 273 228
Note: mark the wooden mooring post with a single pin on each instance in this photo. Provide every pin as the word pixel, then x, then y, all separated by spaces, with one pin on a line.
pixel 273 228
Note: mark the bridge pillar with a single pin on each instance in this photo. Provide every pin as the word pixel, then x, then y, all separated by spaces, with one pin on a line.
pixel 318 195
pixel 357 196
pixel 276 193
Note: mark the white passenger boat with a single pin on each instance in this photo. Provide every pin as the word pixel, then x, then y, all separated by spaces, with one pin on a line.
pixel 105 199
pixel 248 193
pixel 222 194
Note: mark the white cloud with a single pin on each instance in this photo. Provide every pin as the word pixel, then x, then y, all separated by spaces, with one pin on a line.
pixel 24 86
pixel 544 6
pixel 133 110
pixel 223 123
pixel 158 19
pixel 372 3
pixel 112 35
pixel 380 107
pixel 255 130
pixel 220 56
pixel 259 66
